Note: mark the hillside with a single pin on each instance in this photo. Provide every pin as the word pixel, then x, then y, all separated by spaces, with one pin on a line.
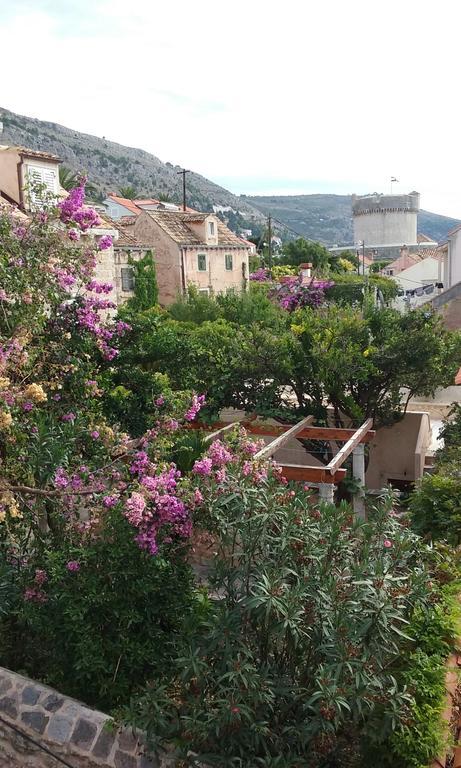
pixel 328 218
pixel 111 166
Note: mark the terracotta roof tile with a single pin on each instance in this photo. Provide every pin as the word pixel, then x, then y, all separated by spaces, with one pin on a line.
pixel 126 203
pixel 176 226
pixel 39 155
pixel 458 377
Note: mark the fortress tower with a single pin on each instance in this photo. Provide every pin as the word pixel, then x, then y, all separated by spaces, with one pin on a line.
pixel 384 222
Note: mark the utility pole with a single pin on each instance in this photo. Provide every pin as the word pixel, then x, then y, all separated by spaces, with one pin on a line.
pixel 269 230
pixel 183 174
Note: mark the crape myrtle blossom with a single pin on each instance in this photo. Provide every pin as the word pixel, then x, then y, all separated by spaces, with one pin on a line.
pixel 105 242
pixel 198 401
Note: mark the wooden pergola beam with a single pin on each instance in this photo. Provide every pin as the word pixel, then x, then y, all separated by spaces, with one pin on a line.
pixel 280 441
pixel 348 447
pixel 310 432
pixel 221 431
pixel 300 473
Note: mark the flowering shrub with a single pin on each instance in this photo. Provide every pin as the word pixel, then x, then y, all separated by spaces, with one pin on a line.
pixel 261 275
pixel 293 294
pixel 87 514
pixel 306 618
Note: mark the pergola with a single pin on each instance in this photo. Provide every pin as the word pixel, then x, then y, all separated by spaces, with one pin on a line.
pixel 326 477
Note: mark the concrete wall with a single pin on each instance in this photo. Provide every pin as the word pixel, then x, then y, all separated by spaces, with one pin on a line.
pixel 453 275
pixel 217 278
pixel 115 210
pixel 398 452
pixel 65 726
pixel 448 305
pixel 9 179
pixel 167 255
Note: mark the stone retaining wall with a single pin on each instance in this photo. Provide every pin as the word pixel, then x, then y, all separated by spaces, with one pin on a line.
pixel 66 727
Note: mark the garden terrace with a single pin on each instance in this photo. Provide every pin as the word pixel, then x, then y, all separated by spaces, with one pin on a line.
pixel 326 477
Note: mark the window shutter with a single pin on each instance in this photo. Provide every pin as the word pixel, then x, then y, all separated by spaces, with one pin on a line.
pixel 127 279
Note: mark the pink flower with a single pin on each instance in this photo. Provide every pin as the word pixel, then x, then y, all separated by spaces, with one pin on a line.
pixel 198 497
pixel 40 577
pixel 202 467
pixel 159 401
pixel 197 402
pixel 68 416
pixel 105 242
pixel 387 543
pixel 27 406
pixel 73 234
pixel 134 508
pixel 73 565
pixel 94 434
pixel 219 454
pixel 109 501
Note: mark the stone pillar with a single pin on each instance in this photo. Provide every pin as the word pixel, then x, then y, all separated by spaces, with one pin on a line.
pixel 327 492
pixel 358 470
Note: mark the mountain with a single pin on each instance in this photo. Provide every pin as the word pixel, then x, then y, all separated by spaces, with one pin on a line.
pixel 110 166
pixel 328 218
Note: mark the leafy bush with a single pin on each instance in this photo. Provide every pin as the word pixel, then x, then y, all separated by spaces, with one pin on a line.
pixel 422 736
pixel 307 616
pixel 435 505
pixel 108 619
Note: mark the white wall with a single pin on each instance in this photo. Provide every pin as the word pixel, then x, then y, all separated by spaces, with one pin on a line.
pixel 454 259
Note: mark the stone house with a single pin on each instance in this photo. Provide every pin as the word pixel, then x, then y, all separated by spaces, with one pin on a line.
pixel 19 168
pixel 189 249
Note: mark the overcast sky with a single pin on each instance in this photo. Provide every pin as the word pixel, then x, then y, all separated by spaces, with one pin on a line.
pixel 261 96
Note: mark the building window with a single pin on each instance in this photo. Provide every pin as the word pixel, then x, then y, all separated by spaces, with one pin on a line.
pixel 127 279
pixel 201 262
pixel 229 261
pixel 204 291
pixel 41 181
pixel 211 228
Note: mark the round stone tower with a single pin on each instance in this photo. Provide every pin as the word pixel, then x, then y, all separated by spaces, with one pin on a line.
pixel 385 220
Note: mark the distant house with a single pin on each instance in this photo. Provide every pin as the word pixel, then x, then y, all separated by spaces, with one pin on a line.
pixel 189 249
pixel 120 207
pixel 418 274
pixel 20 168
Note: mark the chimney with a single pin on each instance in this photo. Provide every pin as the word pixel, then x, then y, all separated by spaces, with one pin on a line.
pixel 305 272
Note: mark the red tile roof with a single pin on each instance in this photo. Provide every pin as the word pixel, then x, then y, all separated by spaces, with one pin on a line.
pixel 126 203
pixel 458 377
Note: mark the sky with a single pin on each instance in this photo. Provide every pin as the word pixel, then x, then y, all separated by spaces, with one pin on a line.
pixel 261 96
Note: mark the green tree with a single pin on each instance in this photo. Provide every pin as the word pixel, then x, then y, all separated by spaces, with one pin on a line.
pixel 303 251
pixel 128 192
pixel 145 284
pixel 68 178
pixel 359 362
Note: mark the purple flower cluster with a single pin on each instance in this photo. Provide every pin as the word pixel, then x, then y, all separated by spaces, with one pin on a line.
pixel 96 287
pixel 261 275
pixel 293 294
pixel 105 242
pixel 72 210
pixel 156 507
pixel 197 403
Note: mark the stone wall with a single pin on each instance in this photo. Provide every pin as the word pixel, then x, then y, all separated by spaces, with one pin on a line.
pixel 66 727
